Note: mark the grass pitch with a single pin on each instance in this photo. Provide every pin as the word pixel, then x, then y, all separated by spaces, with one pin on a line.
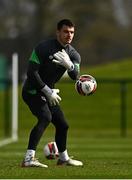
pixel 102 158
pixel 94 133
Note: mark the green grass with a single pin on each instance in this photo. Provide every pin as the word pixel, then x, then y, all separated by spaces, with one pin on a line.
pixel 111 70
pixel 102 158
pixel 94 133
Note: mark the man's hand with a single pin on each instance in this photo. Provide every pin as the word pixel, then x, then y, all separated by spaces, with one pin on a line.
pixel 51 95
pixel 62 58
pixel 54 98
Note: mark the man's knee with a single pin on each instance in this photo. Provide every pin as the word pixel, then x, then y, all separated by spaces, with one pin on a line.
pixel 66 126
pixel 43 121
pixel 44 114
pixel 45 117
pixel 63 126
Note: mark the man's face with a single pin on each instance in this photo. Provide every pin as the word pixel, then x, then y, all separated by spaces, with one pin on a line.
pixel 65 35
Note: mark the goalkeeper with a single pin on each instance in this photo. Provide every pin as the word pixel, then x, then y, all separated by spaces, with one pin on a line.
pixel 47 64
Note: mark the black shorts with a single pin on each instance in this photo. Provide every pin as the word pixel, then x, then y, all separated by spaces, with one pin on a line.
pixel 39 106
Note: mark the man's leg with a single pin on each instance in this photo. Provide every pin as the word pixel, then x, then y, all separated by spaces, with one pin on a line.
pixel 61 126
pixel 41 110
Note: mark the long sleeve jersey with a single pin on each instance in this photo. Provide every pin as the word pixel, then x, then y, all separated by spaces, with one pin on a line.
pixel 43 71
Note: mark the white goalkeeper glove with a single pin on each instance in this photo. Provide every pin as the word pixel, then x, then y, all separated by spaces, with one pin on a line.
pixel 51 95
pixel 62 58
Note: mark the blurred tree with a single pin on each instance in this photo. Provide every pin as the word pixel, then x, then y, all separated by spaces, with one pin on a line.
pixel 16 18
pixel 121 13
pixel 99 37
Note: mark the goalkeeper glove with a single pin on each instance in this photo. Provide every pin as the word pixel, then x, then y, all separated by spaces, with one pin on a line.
pixel 62 58
pixel 51 95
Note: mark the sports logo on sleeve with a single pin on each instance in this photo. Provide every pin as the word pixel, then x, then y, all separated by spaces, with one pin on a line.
pixel 34 57
pixel 77 67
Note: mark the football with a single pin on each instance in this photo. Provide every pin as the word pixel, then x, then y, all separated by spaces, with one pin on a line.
pixel 51 150
pixel 86 85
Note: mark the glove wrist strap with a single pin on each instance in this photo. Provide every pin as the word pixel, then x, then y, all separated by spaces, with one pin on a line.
pixel 71 68
pixel 47 91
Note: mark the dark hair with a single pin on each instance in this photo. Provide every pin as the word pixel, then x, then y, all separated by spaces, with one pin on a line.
pixel 66 22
